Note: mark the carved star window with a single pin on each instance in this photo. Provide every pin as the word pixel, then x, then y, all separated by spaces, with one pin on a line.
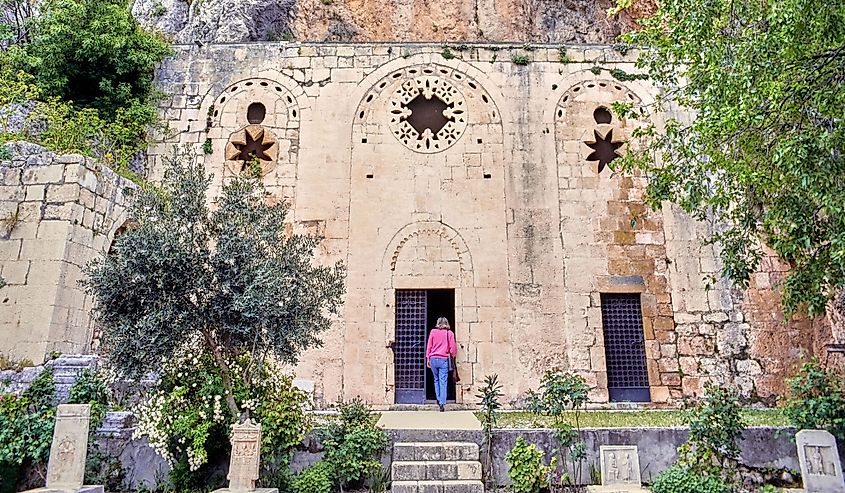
pixel 604 149
pixel 250 143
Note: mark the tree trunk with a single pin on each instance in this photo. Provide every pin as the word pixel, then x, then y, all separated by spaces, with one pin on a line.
pixel 225 374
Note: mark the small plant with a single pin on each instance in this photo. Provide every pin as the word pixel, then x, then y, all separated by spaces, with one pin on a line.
pixel 158 10
pixel 11 221
pixel 564 56
pixel 5 153
pixel 683 480
pixel 380 480
pixel 560 392
pixel 315 479
pixel 621 75
pixel 353 444
pixel 327 2
pixel 526 469
pixel 596 70
pixel 519 59
pixel 206 147
pixel 447 53
pixel 715 427
pixel 489 394
pixel 817 399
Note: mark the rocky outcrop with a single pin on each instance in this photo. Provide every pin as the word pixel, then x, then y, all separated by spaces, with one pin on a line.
pixel 524 21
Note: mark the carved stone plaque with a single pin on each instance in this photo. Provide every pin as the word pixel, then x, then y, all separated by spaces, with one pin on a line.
pixel 620 464
pixel 66 468
pixel 819 459
pixel 246 456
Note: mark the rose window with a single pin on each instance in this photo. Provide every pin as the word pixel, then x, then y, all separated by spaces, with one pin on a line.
pixel 427 114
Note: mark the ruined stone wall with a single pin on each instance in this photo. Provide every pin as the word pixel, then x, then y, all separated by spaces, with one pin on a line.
pixel 58 212
pixel 507 205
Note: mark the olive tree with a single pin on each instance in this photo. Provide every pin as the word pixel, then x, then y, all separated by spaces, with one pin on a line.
pixel 228 277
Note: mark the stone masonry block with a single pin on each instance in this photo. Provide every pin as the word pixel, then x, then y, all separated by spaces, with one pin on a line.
pixel 15 271
pixel 463 487
pixel 404 487
pixel 10 249
pixel 44 174
pixel 408 471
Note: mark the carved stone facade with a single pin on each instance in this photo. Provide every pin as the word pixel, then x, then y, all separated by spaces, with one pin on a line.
pixel 487 187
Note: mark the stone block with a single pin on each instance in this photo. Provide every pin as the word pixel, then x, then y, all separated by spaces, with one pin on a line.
pixel 408 471
pixel 818 456
pixel 15 271
pixel 43 174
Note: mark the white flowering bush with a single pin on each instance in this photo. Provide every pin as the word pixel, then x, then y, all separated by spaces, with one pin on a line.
pixel 185 420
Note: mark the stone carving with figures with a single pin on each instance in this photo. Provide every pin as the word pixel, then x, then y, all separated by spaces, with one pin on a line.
pixel 66 467
pixel 246 459
pixel 620 470
pixel 821 470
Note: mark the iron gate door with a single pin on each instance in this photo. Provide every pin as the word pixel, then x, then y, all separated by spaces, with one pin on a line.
pixel 624 346
pixel 409 346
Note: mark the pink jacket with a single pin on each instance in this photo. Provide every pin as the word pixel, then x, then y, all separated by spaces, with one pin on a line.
pixel 441 344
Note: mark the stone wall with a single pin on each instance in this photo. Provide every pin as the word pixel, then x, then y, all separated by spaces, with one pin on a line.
pixel 58 213
pixel 504 204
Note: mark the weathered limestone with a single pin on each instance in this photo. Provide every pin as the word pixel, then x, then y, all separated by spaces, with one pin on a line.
pixel 67 209
pixel 620 470
pixel 442 467
pixel 66 467
pixel 245 460
pixel 821 470
pixel 501 203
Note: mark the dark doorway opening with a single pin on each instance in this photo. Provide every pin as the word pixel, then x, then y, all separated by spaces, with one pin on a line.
pixel 439 303
pixel 417 311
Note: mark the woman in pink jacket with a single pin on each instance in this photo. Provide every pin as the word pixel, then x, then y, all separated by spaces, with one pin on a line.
pixel 441 346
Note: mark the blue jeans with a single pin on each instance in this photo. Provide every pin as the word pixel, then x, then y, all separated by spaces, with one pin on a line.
pixel 440 369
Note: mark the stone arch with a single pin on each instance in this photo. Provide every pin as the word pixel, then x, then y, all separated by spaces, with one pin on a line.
pixel 233 130
pixel 405 236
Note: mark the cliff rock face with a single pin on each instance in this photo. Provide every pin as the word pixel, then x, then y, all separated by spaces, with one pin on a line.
pixel 534 21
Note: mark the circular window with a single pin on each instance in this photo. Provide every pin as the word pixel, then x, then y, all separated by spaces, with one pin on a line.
pixel 427 114
pixel 255 113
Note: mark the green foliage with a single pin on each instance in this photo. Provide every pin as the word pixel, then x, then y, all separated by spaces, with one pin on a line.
pixel 526 468
pixel 762 159
pixel 447 53
pixel 89 388
pixel 519 59
pixel 596 70
pixel 353 444
pixel 26 429
pixel 561 392
pixel 621 75
pixel 564 56
pixel 817 399
pixel 186 422
pixel 380 481
pixel 715 426
pixel 206 147
pixel 93 52
pixel 683 480
pixel 222 284
pixel 315 479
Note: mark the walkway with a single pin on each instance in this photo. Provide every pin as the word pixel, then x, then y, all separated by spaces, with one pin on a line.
pixel 428 420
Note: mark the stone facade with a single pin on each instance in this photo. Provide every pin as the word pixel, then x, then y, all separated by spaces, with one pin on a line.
pixel 59 212
pixel 502 197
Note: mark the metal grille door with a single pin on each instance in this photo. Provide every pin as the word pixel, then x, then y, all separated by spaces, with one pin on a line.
pixel 624 346
pixel 409 346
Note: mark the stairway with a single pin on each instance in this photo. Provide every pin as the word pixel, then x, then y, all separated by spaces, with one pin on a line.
pixel 436 467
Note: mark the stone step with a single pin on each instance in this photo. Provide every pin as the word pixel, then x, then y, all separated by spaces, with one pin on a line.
pixel 437 487
pixel 436 470
pixel 411 451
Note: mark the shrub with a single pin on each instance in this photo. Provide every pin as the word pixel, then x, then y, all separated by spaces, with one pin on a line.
pixel 489 394
pixel 353 444
pixel 315 479
pixel 107 64
pixel 817 399
pixel 682 480
pixel 715 428
pixel 559 393
pixel 26 429
pixel 520 59
pixel 526 469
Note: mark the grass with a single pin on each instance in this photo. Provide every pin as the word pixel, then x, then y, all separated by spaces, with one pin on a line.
pixel 629 419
